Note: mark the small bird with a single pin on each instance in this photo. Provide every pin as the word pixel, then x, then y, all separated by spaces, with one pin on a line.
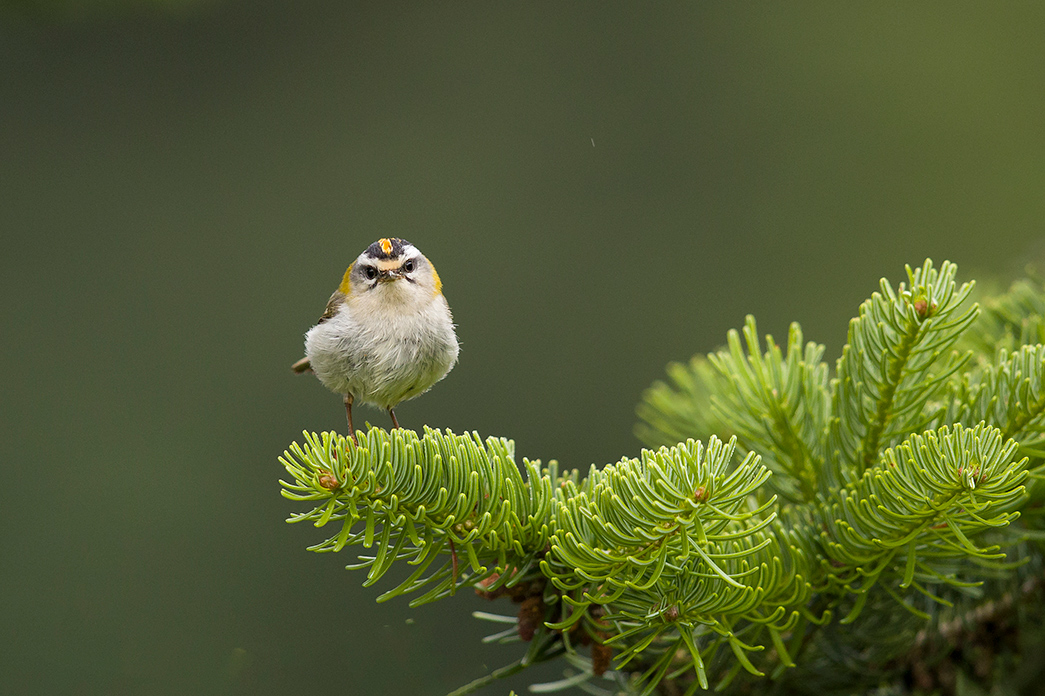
pixel 387 334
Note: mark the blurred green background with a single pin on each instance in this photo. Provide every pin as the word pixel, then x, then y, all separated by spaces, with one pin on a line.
pixel 604 187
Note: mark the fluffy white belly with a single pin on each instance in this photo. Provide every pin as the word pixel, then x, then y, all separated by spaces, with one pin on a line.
pixel 383 359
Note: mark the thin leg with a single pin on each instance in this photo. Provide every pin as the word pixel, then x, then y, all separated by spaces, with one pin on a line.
pixel 348 410
pixel 395 423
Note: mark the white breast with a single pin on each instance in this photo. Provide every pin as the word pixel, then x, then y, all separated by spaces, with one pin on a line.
pixel 383 352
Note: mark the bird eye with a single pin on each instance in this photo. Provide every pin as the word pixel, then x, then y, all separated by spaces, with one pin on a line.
pixel 409 266
pixel 370 272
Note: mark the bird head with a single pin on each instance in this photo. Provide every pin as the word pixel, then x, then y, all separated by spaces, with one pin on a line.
pixel 391 269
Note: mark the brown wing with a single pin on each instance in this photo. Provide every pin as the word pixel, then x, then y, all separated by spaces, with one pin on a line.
pixel 333 304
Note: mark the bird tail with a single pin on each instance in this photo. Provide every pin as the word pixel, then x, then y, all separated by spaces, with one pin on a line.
pixel 303 365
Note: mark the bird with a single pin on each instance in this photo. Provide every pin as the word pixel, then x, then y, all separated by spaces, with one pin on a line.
pixel 387 334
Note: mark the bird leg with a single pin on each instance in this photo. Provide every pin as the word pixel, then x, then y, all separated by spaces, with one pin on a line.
pixel 395 423
pixel 348 410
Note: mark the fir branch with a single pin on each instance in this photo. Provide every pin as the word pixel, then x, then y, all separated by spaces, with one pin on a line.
pixel 424 498
pixel 541 649
pixel 637 516
pixel 672 547
pixel 1010 394
pixel 921 509
pixel 1010 320
pixel 689 617
pixel 679 409
pixel 885 374
pixel 777 405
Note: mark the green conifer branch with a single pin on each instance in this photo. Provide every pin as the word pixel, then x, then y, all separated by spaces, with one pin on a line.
pixel 1010 393
pixel 885 374
pixel 920 508
pixel 439 495
pixel 1010 320
pixel 680 409
pixel 637 514
pixel 777 405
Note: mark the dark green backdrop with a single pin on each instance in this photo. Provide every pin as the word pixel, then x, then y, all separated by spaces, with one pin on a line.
pixel 604 187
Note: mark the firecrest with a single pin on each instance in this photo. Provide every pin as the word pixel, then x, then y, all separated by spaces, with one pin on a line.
pixel 387 334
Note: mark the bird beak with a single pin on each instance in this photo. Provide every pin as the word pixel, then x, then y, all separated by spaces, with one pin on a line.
pixel 389 275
